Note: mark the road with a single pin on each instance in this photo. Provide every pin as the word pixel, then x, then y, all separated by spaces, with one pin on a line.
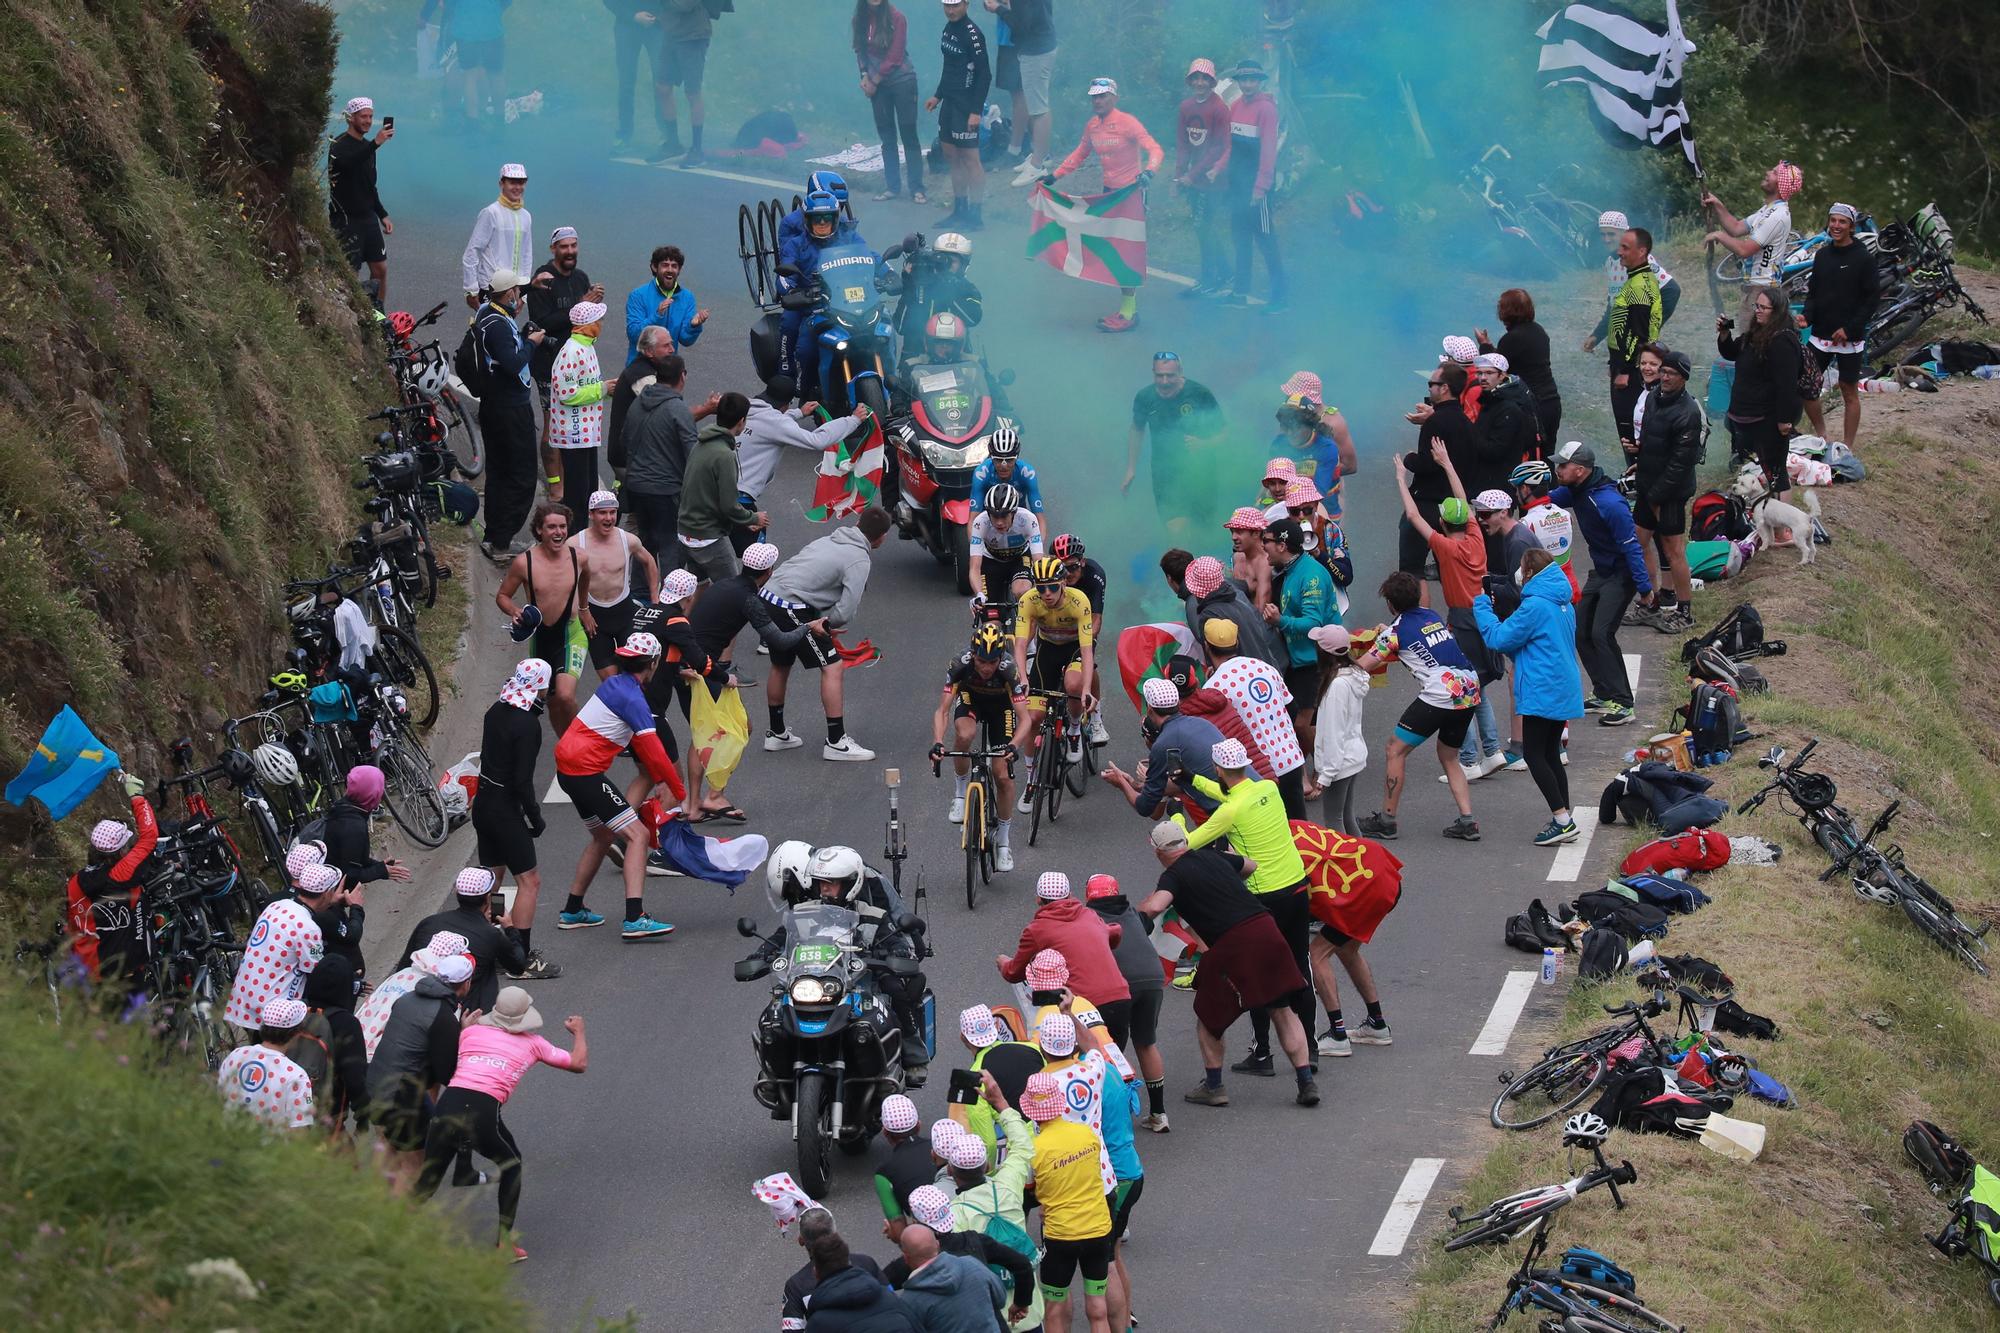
pixel 1261 1215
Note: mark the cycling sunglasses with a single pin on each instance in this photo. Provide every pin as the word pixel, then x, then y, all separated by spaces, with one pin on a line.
pixel 1166 356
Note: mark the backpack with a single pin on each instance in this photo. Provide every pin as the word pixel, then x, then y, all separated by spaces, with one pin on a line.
pixel 1944 1163
pixel 456 501
pixel 1714 560
pixel 469 361
pixel 1589 1266
pixel 1001 1230
pixel 1718 517
pixel 1737 1021
pixel 1712 719
pixel 1699 972
pixel 1975 1224
pixel 1741 632
pixel 313 830
pixel 1670 895
pixel 1697 849
pixel 1603 954
pixel 1634 920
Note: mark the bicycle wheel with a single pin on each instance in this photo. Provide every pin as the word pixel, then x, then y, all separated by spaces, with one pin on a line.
pixel 1942 929
pixel 1038 794
pixel 1549 1089
pixel 193 1025
pixel 461 435
pixel 401 660
pixel 412 793
pixel 1615 1310
pixel 1058 779
pixel 973 834
pixel 1077 775
pixel 1501 1230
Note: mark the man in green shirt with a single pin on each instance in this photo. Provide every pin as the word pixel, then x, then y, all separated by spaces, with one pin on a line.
pixel 1251 813
pixel 1636 315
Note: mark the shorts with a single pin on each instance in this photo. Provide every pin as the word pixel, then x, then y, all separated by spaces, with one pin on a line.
pixel 1124 1199
pixel 502 834
pixel 1671 521
pixel 1051 661
pixel 717 560
pixel 614 625
pixel 1812 369
pixel 1250 967
pixel 1061 1259
pixel 1035 72
pixel 951 124
pixel 563 645
pixel 404 1116
pixel 797 654
pixel 1117 1016
pixel 1303 682
pixel 685 64
pixel 1337 938
pixel 598 801
pixel 998 574
pixel 489 55
pixel 1007 69
pixel 1420 721
pixel 1146 1015
pixel 361 240
pixel 995 713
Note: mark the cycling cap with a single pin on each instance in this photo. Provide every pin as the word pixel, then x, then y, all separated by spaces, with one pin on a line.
pixel 513 171
pixel 587 312
pixel 1042 1099
pixel 1057 1035
pixel 759 555
pixel 1790 178
pixel 1301 492
pixel 562 234
pixel 899 1114
pixel 977 1026
pixel 1219 633
pixel 678 586
pixel 1459 348
pixel 1490 361
pixel 988 642
pixel 968 1153
pixel 1281 467
pixel 1103 87
pixel 473 882
pixel 600 499
pixel 1229 753
pixel 1204 576
pixel 1303 384
pixel 929 1204
pixel 1052 885
pixel 1534 472
pixel 945 327
pixel 282 1013
pixel 1246 519
pixel 1167 835
pixel 1454 512
pixel 1002 499
pixel 318 879
pixel 1576 451
pixel 357 105
pixel 1006 441
pixel 639 645
pixel 1202 65
pixel 943 1133
pixel 1048 970
pixel 303 855
pixel 1492 502
pixel 1331 638
pixel 1612 220
pixel 108 835
pixel 1160 694
pixel 1100 886
pixel 1067 546
pixel 1045 571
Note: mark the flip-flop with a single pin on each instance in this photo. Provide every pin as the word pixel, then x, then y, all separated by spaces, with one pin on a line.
pixel 727 815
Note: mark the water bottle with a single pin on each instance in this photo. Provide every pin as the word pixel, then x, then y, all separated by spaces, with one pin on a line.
pixel 1642 953
pixel 1986 372
pixel 1551 964
pixel 1881 386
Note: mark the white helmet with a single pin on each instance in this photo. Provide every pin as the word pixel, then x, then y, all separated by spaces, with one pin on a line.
pixel 276 767
pixel 1585 1128
pixel 432 378
pixel 952 243
pixel 842 865
pixel 785 874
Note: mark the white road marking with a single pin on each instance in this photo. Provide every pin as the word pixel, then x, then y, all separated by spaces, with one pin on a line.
pixel 1401 1218
pixel 1633 662
pixel 556 796
pixel 1514 993
pixel 1569 857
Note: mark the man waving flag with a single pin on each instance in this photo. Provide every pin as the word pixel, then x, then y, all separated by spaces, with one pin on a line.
pixel 1101 238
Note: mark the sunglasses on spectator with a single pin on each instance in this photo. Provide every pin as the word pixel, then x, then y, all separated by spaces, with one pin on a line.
pixel 1166 356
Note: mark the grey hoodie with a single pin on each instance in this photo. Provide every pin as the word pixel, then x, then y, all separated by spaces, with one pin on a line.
pixel 659 433
pixel 1138 961
pixel 419 1042
pixel 828 575
pixel 955 1294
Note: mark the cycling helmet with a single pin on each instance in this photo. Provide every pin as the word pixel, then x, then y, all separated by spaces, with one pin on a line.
pixel 293 681
pixel 1006 441
pixel 1585 1128
pixel 827 182
pixel 1002 499
pixel 822 214
pixel 1045 571
pixel 786 873
pixel 840 865
pixel 1876 888
pixel 238 768
pixel 275 765
pixel 402 324
pixel 988 642
pixel 1814 791
pixel 1067 547
pixel 432 378
pixel 1534 472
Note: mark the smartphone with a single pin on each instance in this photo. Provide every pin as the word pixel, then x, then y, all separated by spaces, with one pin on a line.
pixel 965 1086
pixel 388 122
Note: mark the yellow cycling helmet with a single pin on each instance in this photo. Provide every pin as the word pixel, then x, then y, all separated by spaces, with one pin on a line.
pixel 289 680
pixel 988 641
pixel 1045 571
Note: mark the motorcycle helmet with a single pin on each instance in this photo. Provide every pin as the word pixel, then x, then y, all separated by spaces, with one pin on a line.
pixel 1002 499
pixel 957 248
pixel 785 875
pixel 822 215
pixel 1067 547
pixel 838 865
pixel 275 765
pixel 1534 472
pixel 1046 572
pixel 944 336
pixel 1006 441
pixel 988 643
pixel 238 768
pixel 827 182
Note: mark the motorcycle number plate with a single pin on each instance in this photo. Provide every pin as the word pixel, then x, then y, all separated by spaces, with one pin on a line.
pixel 937 381
pixel 854 295
pixel 815 955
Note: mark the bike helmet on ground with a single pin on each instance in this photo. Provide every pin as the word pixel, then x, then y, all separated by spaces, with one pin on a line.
pixel 837 865
pixel 785 875
pixel 1585 1128
pixel 1068 546
pixel 988 642
pixel 276 766
pixel 1002 499
pixel 1875 887
pixel 829 182
pixel 1045 571
pixel 822 214
pixel 1814 791
pixel 1006 441
pixel 1534 472
pixel 944 336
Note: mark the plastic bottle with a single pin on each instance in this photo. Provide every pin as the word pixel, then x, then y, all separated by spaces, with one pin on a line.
pixel 1986 372
pixel 1551 964
pixel 1881 386
pixel 1642 953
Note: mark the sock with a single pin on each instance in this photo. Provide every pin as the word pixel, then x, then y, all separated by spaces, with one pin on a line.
pixel 1130 305
pixel 1156 1095
pixel 958 788
pixel 1375 1014
pixel 694 138
pixel 778 720
pixel 836 727
pixel 1303 1073
pixel 1339 1024
pixel 634 908
pixel 670 132
pixel 525 946
pixel 1212 1077
pixel 1000 830
pixel 573 904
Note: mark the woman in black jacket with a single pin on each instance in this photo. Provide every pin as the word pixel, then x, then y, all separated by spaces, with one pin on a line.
pixel 347 851
pixel 330 990
pixel 1764 401
pixel 506 814
pixel 1525 344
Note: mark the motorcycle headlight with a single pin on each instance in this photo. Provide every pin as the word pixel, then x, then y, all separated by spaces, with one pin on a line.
pixel 815 990
pixel 944 456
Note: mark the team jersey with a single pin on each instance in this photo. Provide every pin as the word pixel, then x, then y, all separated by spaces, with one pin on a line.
pixel 1022 537
pixel 1091 583
pixel 1082 1084
pixel 1421 642
pixel 985 477
pixel 284 945
pixel 961 679
pixel 1771 227
pixel 1258 694
pixel 269 1085
pixel 616 716
pixel 1554 529
pixel 1068 621
pixel 1068 1182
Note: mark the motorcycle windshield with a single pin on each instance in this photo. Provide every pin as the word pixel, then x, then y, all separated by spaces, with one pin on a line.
pixel 815 935
pixel 847 272
pixel 952 400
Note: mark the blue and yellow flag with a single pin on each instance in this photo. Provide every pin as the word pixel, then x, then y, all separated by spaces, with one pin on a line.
pixel 65 768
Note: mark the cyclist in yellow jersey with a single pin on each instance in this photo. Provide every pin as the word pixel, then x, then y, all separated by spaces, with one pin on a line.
pixel 1076 1220
pixel 1059 619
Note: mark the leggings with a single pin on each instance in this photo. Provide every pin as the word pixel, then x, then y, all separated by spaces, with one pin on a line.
pixel 1541 739
pixel 463 1119
pixel 895 105
pixel 578 469
pixel 1292 909
pixel 1336 806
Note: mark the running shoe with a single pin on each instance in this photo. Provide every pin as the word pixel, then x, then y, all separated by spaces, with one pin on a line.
pixel 537 968
pixel 781 740
pixel 1491 764
pixel 1595 705
pixel 1615 715
pixel 1332 1045
pixel 645 928
pixel 1308 1094
pixel 1677 621
pixel 1378 825
pixel 1253 1063
pixel 1117 323
pixel 658 866
pixel 1640 614
pixel 578 920
pixel 1465 828
pixel 1155 1123
pixel 1203 1095
pixel 846 750
pixel 1184 979
pixel 1515 763
pixel 1557 832
pixel 1370 1034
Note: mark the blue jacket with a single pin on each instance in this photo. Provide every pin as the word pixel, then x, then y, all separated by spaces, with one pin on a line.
pixel 1305 602
pixel 1541 638
pixel 796 247
pixel 642 308
pixel 1023 480
pixel 1606 521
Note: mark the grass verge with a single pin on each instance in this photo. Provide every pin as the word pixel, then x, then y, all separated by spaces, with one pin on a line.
pixel 1826 1230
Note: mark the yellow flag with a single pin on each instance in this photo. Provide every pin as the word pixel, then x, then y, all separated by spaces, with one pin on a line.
pixel 719 730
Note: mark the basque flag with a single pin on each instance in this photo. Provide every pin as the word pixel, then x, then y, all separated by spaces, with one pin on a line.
pixel 1099 237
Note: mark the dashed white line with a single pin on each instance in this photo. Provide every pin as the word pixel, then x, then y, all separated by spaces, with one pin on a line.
pixel 1633 661
pixel 556 795
pixel 1401 1218
pixel 1569 857
pixel 1514 993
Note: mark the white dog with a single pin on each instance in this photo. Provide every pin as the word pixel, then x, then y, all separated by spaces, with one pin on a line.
pixel 1777 522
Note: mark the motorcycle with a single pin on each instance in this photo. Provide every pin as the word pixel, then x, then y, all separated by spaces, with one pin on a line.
pixel 828 1047
pixel 855 340
pixel 939 443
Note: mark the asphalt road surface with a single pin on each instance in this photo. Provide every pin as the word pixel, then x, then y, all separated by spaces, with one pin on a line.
pixel 1260 1215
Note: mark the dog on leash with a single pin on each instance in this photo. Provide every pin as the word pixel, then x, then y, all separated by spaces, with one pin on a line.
pixel 1778 523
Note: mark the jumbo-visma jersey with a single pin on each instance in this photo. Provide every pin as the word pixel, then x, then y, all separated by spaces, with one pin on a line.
pixel 617 716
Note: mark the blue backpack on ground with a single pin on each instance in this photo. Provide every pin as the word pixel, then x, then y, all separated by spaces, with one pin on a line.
pixel 1586 1265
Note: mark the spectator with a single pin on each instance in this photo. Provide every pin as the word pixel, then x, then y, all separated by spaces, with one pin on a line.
pixel 1650 358
pixel 1212 596
pixel 1460 550
pixel 1540 636
pixel 1617 575
pixel 640 373
pixel 1612 226
pixel 374 1011
pixel 1635 321
pixel 506 415
pixel 552 290
pixel 907 1164
pixel 576 388
pixel 1525 344
pixel 261 1079
pixel 348 851
pixel 1201 155
pixel 775 423
pixel 506 811
pixel 1507 540
pixel 1171 733
pixel 1319 434
pixel 1671 443
pixel 635 32
pixel 502 237
pixel 471 917
pixel 475 27
pixel 1447 694
pixel 813 1223
pixel 1185 424
pixel 686 29
pixel 1125 154
pixel 1032 26
pixel 1508 429
pixel 659 434
pixel 824 581
pixel 1302 600
pixel 889 82
pixel 1140 966
pixel 1253 158
pixel 1086 942
pixel 352 205
pixel 711 501
pixel 330 995
pixel 847 1300
pixel 1841 295
pixel 948 1293
pixel 285 945
pixel 1761 238
pixel 1340 749
pixel 1264 702
pixel 964 78
pixel 1440 419
pixel 416 1049
pixel 1764 397
pixel 662 300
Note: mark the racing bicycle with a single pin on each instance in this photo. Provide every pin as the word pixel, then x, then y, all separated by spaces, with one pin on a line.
pixel 1571 1072
pixel 1559 231
pixel 1577 1306
pixel 982 810
pixel 1515 1215
pixel 1054 769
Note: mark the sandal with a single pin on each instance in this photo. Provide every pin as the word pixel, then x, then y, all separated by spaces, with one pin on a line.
pixel 729 814
pixel 885 196
pixel 919 197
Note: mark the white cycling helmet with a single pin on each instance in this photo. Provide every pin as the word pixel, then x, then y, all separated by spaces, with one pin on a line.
pixel 1006 440
pixel 952 243
pixel 785 876
pixel 276 767
pixel 1586 1128
pixel 842 865
pixel 432 378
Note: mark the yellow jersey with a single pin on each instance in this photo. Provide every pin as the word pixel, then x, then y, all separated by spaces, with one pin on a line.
pixel 1068 1183
pixel 1068 621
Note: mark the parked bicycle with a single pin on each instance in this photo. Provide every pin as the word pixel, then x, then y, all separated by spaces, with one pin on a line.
pixel 1558 231
pixel 397 656
pixel 1515 1215
pixel 425 375
pixel 1574 1070
pixel 1578 1306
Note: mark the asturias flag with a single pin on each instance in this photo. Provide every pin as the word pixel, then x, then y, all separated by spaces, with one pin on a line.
pixel 66 766
pixel 1099 237
pixel 850 473
pixel 1352 882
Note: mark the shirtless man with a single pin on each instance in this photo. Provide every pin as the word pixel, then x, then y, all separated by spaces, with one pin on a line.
pixel 1250 561
pixel 610 557
pixel 557 616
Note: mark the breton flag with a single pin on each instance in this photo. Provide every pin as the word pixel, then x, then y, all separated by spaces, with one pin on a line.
pixel 1099 237
pixel 1632 67
pixel 849 476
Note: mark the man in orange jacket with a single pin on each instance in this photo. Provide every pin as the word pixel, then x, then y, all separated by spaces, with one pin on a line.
pixel 103 897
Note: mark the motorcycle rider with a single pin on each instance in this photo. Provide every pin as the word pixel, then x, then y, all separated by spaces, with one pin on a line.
pixel 797 293
pixel 1005 464
pixel 934 281
pixel 792 226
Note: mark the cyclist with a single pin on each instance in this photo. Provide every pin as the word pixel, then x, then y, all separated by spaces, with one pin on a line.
pixel 103 897
pixel 981 689
pixel 1005 464
pixel 1079 571
pixel 1004 539
pixel 1060 617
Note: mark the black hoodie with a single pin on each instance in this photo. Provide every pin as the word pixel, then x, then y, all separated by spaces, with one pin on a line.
pixel 1137 960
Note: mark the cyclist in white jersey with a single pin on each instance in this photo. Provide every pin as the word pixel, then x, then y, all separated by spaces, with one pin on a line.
pixel 1004 537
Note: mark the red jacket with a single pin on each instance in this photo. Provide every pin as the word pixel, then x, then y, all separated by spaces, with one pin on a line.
pixel 1214 705
pixel 119 879
pixel 1081 936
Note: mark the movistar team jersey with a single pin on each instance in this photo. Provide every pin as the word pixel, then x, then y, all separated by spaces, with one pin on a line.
pixel 1068 621
pixel 985 476
pixel 1422 642
pixel 1021 537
